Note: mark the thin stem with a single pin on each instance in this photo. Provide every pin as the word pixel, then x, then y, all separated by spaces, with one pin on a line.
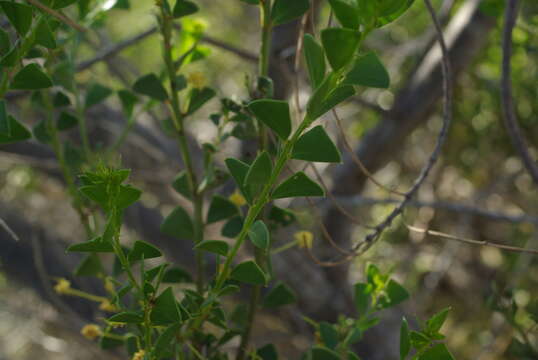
pixel 245 338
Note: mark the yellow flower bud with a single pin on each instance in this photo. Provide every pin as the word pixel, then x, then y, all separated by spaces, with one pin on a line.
pixel 237 198
pixel 62 286
pixel 196 79
pixel 139 355
pixel 304 239
pixel 106 305
pixel 91 331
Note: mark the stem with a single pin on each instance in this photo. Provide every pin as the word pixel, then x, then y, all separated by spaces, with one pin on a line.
pixel 177 116
pixel 245 338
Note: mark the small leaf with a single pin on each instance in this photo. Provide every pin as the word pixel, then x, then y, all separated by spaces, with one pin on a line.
pixel 151 86
pixel 176 275
pixel 31 77
pixel 328 95
pixel 94 245
pixel 315 60
pixel 329 335
pixel 184 8
pixel 347 12
pixel 150 274
pixel 316 145
pixel 259 235
pixel 61 100
pixel 396 294
pixel 96 94
pixel 5 44
pixel 215 246
pixel 419 340
pixel 321 353
pixel 41 132
pixel 19 15
pixel 164 340
pixel 362 297
pixel 239 170
pixel 273 113
pixel 128 101
pixel 252 2
pixel 165 310
pixel 143 250
pixel 198 97
pixel 279 295
pixel 178 224
pixel 393 13
pixel 5 124
pixel 258 174
pixel 284 11
pixel 130 317
pixel 249 272
pixel 437 352
pixel 340 45
pixel 181 184
pixel 297 185
pixel 267 352
pixel 220 209
pixel 44 35
pixel 66 121
pixel 233 227
pixel 96 193
pixel 90 266
pixel 434 324
pixel 280 216
pixel 367 70
pixel 405 341
pixel 127 196
pixel 106 342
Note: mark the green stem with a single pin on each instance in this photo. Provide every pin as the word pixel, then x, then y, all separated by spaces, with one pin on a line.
pixel 177 116
pixel 245 338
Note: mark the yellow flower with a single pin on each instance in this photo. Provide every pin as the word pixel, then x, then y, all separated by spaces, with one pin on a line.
pixel 196 79
pixel 304 239
pixel 139 355
pixel 106 305
pixel 237 198
pixel 62 286
pixel 91 331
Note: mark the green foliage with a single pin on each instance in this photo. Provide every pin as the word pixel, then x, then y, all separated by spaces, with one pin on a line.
pixel 275 114
pixel 31 77
pixel 316 145
pixel 315 60
pixel 297 185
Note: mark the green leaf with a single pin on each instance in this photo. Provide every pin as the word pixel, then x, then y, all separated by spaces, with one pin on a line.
pixel 437 352
pixel 220 209
pixel 284 11
pixel 367 70
pixel 165 310
pixel 178 224
pixel 297 185
pixel 66 121
pixel 19 15
pixel 273 113
pixel 5 44
pixel 143 250
pixel 184 8
pixel 267 352
pixel 258 174
pixel 61 100
pixel 127 196
pixel 434 324
pixel 393 12
pixel 60 4
pixel 181 184
pixel 352 356
pixel 130 317
pixel 363 293
pixel 340 45
pixel 150 274
pixel 233 227
pixel 279 295
pixel 249 272
pixel 94 245
pixel 405 341
pixel 176 275
pixel 280 216
pixel 31 77
pixel 106 342
pixel 259 235
pixel 239 170
pixel 316 145
pixel 5 124
pixel 164 340
pixel 198 97
pixel 252 2
pixel 18 132
pixel 151 86
pixel 315 60
pixel 41 132
pixel 128 101
pixel 328 95
pixel 215 246
pixel 347 12
pixel 97 93
pixel 96 193
pixel 90 266
pixel 419 340
pixel 44 35
pixel 396 294
pixel 329 335
pixel 321 353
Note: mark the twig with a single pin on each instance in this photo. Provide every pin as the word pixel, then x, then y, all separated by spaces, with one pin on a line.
pixel 510 118
pixel 10 232
pixel 371 238
pixel 472 241
pixel 57 15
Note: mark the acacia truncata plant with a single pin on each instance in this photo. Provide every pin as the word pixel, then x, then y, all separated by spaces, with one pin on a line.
pixel 151 317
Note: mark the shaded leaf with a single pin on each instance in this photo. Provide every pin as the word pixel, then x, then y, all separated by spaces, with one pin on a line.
pixel 340 45
pixel 249 272
pixel 66 121
pixel 94 245
pixel 284 11
pixel 405 341
pixel 97 93
pixel 279 295
pixel 315 60
pixel 437 352
pixel 347 12
pixel 367 70
pixel 31 77
pixel 215 246
pixel 297 185
pixel 273 113
pixel 165 309
pixel 130 317
pixel 220 209
pixel 258 174
pixel 259 235
pixel 178 224
pixel 316 145
pixel 184 8
pixel 19 15
pixel 151 86
pixel 198 97
pixel 329 335
pixel 143 250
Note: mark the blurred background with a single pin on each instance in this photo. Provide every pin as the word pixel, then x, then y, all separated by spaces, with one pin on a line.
pixel 479 188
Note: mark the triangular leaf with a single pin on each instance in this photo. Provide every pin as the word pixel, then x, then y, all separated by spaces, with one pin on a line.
pixel 164 340
pixel 347 12
pixel 273 113
pixel 340 45
pixel 258 173
pixel 178 224
pixel 328 334
pixel 367 70
pixel 127 196
pixel 165 309
pixel 316 145
pixel 181 185
pixel 220 209
pixel 44 35
pixel 215 246
pixel 280 295
pixel 267 352
pixel 66 121
pixel 405 341
pixel 239 170
pixel 249 272
pixel 31 77
pixel 434 324
pixel 176 275
pixel 184 8
pixel 5 124
pixel 130 317
pixel 437 352
pixel 233 227
pixel 151 86
pixel 198 97
pixel 315 60
pixel 259 235
pixel 96 94
pixel 90 266
pixel 19 15
pixel 298 185
pixel 128 101
pixel 143 250
pixel 18 132
pixel 321 353
pixel 284 11
pixel 94 245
